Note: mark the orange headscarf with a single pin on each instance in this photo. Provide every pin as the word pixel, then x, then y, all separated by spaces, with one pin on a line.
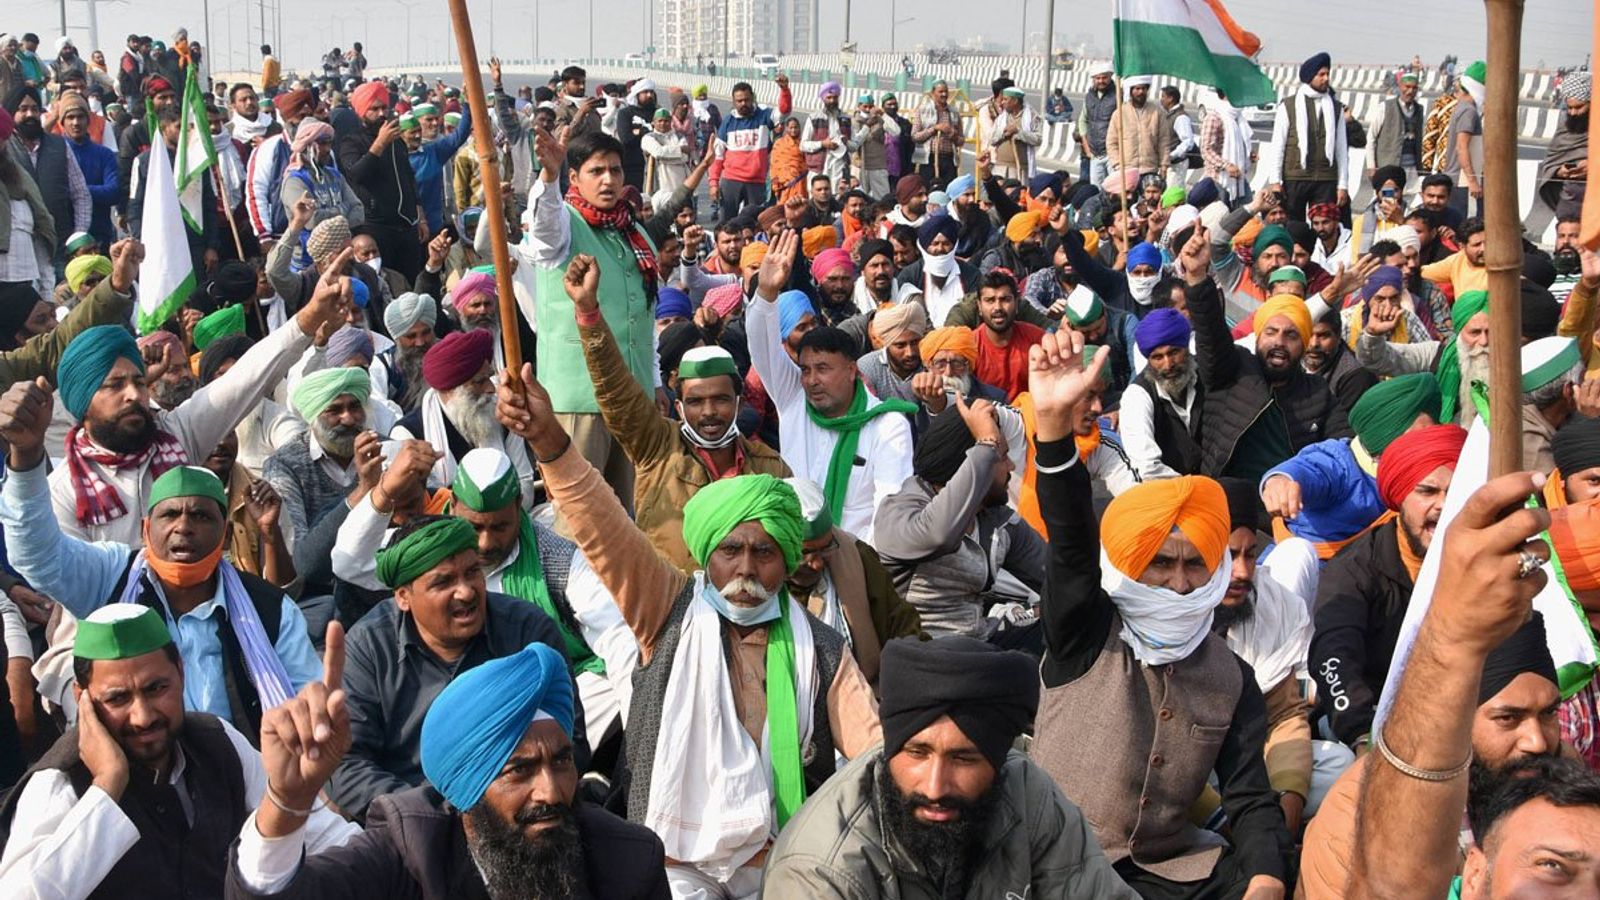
pixel 1575 538
pixel 951 337
pixel 817 239
pixel 1138 522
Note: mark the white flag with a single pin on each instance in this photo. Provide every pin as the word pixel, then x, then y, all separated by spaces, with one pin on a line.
pixel 166 276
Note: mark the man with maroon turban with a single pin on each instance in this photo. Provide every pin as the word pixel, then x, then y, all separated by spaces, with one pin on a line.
pixel 456 414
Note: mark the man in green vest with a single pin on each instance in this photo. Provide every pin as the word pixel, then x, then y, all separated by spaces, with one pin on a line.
pixel 596 218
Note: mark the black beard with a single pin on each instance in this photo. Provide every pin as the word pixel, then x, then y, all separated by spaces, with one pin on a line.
pixel 112 436
pixel 30 129
pixel 1224 616
pixel 1575 124
pixel 516 867
pixel 946 851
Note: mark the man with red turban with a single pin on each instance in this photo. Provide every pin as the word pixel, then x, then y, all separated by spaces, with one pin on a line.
pixel 1362 598
pixel 456 414
pixel 264 173
pixel 375 161
pixel 1142 702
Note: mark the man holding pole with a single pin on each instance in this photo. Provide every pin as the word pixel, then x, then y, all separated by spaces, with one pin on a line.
pixel 938 137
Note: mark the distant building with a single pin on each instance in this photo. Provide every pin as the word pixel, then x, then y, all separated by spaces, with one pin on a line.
pixel 690 29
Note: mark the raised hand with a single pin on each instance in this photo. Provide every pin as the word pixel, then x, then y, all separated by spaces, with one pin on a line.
pixel 551 152
pixel 24 416
pixel 406 477
pixel 1194 260
pixel 1587 398
pixel 368 457
pixel 439 250
pixel 776 266
pixel 523 407
pixel 1058 381
pixel 1383 319
pixel 582 282
pixel 980 418
pixel 302 742
pixel 99 751
pixel 263 504
pixel 387 132
pixel 1479 599
pixel 126 256
pixel 494 70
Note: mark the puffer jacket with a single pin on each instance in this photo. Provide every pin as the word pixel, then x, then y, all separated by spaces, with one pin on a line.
pixel 1038 845
pixel 1361 602
pixel 1237 390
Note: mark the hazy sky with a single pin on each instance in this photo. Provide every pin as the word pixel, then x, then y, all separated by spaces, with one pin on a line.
pixel 1555 31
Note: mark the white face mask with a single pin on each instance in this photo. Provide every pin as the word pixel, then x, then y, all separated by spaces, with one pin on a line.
pixel 1141 287
pixel 938 266
pixel 376 264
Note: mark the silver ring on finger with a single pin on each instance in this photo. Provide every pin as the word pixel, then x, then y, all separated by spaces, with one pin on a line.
pixel 1528 563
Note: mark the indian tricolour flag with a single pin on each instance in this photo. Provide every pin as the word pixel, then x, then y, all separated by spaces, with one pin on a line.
pixel 1195 40
pixel 166 276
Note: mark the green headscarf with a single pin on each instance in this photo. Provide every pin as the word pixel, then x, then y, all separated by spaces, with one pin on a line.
pixel 1388 408
pixel 1449 371
pixel 849 427
pixel 401 562
pixel 315 391
pixel 720 506
pixel 225 321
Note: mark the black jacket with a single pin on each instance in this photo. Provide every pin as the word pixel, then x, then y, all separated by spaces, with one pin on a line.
pixel 968 273
pixel 1361 601
pixel 1180 444
pixel 1237 390
pixel 385 182
pixel 414 847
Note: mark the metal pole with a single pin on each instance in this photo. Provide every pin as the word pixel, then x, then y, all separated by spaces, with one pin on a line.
pixel 536 30
pixel 262 5
pixel 591 31
pixel 893 23
pixel 408 34
pixel 94 27
pixel 491 28
pixel 63 17
pixel 1023 50
pixel 847 21
pixel 1049 50
pixel 205 13
pixel 1503 232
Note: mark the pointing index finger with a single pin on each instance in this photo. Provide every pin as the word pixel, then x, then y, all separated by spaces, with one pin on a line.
pixel 333 656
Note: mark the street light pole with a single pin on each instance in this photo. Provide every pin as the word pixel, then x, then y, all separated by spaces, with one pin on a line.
pixel 1049 50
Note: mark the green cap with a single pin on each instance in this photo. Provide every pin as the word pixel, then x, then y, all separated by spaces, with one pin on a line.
pixel 225 321
pixel 424 109
pixel 79 240
pixel 707 362
pixel 120 631
pixel 1547 359
pixel 1084 307
pixel 662 113
pixel 486 481
pixel 1477 72
pixel 407 122
pixel 1173 196
pixel 1287 273
pixel 187 481
pixel 452 118
pixel 1016 92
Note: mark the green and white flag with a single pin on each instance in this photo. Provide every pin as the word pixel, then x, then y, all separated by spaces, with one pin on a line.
pixel 166 276
pixel 196 153
pixel 1195 40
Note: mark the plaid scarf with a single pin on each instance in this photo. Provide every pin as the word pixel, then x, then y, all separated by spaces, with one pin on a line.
pixel 100 503
pixel 620 218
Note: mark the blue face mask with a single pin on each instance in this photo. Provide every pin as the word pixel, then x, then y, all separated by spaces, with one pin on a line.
pixel 745 616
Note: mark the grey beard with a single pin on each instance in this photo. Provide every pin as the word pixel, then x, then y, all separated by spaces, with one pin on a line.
pixel 1474 368
pixel 489 323
pixel 339 440
pixel 169 395
pixel 1176 383
pixel 410 365
pixel 473 416
pixel 515 867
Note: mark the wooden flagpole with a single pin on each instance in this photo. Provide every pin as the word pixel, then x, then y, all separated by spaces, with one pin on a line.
pixel 1503 233
pixel 1122 167
pixel 489 166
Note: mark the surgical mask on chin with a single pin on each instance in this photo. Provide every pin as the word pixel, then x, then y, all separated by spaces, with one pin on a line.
pixel 744 616
pixel 728 436
pixel 938 266
pixel 1141 287
pixel 376 264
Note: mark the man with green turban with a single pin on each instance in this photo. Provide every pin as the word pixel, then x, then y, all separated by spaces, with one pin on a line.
pixel 316 470
pixel 441 622
pixel 84 274
pixel 723 745
pixel 96 817
pixel 521 558
pixel 1328 492
pixel 1459 363
pixel 246 642
pixel 225 321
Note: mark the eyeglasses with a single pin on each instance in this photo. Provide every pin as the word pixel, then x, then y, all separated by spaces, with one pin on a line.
pixel 823 552
pixel 957 365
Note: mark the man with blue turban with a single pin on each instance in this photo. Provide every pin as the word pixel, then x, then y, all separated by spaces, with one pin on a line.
pixel 751 732
pixel 1160 420
pixel 498 752
pixel 1306 160
pixel 943 278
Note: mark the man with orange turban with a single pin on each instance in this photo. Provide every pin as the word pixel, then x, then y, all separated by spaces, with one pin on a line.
pixel 1366 587
pixel 949 358
pixel 1142 702
pixel 1260 408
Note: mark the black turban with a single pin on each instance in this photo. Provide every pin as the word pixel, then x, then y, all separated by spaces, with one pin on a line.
pixel 222 350
pixel 1389 173
pixel 991 694
pixel 1204 193
pixel 17 300
pixel 678 339
pixel 874 247
pixel 942 448
pixel 1540 312
pixel 1244 504
pixel 1301 234
pixel 1310 68
pixel 1576 446
pixel 234 283
pixel 1526 650
pixel 1538 268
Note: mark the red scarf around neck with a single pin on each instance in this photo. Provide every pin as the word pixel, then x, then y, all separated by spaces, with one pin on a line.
pixel 621 219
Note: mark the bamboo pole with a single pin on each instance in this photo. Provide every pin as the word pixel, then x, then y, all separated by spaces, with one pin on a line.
pixel 1503 233
pixel 1121 179
pixel 489 167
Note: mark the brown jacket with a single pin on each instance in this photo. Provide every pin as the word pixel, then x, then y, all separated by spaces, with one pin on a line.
pixel 1139 139
pixel 667 470
pixel 874 611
